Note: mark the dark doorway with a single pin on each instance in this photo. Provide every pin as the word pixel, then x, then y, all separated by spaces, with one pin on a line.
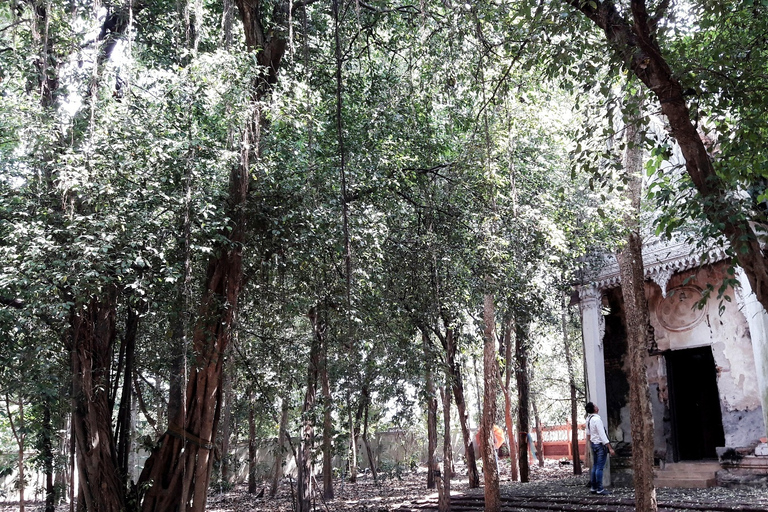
pixel 695 404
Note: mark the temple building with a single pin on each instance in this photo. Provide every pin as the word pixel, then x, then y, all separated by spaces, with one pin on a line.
pixel 707 369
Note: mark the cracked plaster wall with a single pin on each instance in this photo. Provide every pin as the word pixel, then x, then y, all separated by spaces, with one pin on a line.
pixel 678 327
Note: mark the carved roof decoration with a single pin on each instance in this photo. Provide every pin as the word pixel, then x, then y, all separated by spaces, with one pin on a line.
pixel 661 260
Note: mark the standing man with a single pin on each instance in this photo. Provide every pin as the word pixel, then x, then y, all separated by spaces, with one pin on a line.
pixel 600 444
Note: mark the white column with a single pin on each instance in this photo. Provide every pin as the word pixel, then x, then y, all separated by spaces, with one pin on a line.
pixel 757 319
pixel 593 330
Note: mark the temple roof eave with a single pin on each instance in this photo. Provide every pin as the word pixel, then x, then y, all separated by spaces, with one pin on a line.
pixel 660 261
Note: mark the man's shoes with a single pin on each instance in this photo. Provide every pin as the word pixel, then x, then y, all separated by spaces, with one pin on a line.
pixel 603 492
pixel 593 490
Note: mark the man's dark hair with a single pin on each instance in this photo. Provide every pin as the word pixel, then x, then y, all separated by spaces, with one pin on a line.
pixel 590 408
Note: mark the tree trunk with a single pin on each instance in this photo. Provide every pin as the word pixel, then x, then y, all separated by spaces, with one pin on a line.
pixel 327 427
pixel 91 342
pixel 539 433
pixel 638 326
pixel 444 490
pixel 509 366
pixel 18 429
pixel 46 454
pixel 352 459
pixel 226 424
pixel 305 469
pixel 523 392
pixel 431 412
pixel 277 468
pixel 123 429
pixel 179 469
pixel 572 384
pixel 72 465
pixel 637 43
pixel 368 451
pixel 457 385
pixel 251 447
pixel 490 373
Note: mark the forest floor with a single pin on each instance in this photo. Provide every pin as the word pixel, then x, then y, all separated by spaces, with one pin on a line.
pixel 552 487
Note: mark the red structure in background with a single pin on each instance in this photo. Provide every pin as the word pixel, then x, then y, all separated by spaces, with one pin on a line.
pixel 557 441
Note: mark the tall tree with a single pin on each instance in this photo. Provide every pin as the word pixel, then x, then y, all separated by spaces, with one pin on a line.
pixel 179 471
pixel 523 393
pixel 635 35
pixel 639 331
pixel 487 443
pixel 574 420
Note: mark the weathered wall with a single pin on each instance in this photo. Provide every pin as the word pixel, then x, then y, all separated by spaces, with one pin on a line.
pixel 679 325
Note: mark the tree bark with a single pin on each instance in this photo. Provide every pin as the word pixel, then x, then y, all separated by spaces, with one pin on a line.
pixel 180 469
pixel 444 490
pixel 523 392
pixel 368 451
pixel 226 430
pixel 638 326
pixel 277 468
pixel 431 412
pixel 252 482
pixel 448 341
pixel 457 386
pixel 92 328
pixel 123 428
pixel 576 458
pixel 46 454
pixel 509 365
pixel 539 433
pixel 327 427
pixel 636 43
pixel 319 327
pixel 490 373
pixel 18 429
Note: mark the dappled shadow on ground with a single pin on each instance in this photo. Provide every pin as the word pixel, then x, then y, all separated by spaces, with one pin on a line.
pixel 551 488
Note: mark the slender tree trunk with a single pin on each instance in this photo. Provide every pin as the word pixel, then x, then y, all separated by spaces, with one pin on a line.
pixel 327 427
pixel 368 451
pixel 352 458
pixel 18 430
pixel 72 465
pixel 490 372
pixel 226 424
pixel 317 318
pixel 123 430
pixel 523 392
pixel 539 433
pixel 444 490
pixel 638 326
pixel 46 454
pixel 277 468
pixel 252 447
pixel 572 385
pixel 457 385
pixel 92 338
pixel 509 366
pixel 431 412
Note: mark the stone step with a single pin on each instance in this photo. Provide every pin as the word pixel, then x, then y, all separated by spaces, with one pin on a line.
pixel 691 468
pixel 680 482
pixel 687 475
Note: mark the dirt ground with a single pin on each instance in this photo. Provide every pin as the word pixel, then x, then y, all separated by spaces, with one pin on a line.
pixel 553 483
